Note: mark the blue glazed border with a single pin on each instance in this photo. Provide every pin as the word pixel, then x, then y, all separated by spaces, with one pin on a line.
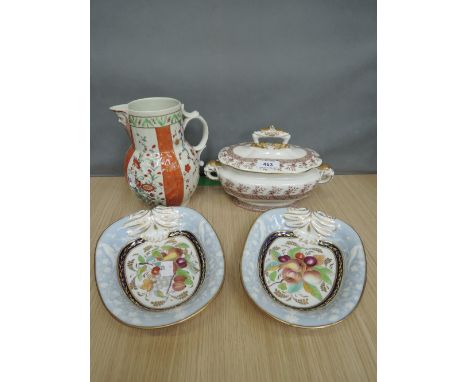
pixel 352 285
pixel 114 238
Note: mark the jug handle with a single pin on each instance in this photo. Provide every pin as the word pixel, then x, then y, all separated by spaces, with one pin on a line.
pixel 122 115
pixel 196 115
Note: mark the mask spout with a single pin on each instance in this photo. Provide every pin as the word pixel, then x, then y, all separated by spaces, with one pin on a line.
pixel 122 115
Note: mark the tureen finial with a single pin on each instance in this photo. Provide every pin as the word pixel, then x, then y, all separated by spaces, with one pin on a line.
pixel 271 132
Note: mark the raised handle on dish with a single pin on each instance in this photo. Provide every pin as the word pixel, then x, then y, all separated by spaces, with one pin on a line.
pixel 196 115
pixel 271 132
pixel 326 173
pixel 122 115
pixel 211 171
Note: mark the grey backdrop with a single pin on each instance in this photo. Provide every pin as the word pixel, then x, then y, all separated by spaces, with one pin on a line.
pixel 307 66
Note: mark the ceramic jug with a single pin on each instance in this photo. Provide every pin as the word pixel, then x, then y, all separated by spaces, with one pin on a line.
pixel 161 167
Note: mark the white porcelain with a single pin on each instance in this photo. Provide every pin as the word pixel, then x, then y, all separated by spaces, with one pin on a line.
pixel 261 176
pixel 161 167
pixel 303 268
pixel 158 267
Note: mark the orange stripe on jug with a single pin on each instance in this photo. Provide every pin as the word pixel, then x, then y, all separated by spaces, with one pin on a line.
pixel 173 180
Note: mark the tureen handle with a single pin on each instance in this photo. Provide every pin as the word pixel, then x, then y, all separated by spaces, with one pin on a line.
pixel 326 173
pixel 211 170
pixel 271 132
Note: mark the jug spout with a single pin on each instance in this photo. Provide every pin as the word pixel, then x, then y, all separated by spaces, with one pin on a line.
pixel 122 115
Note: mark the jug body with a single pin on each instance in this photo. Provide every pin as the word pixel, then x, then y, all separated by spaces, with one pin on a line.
pixel 161 167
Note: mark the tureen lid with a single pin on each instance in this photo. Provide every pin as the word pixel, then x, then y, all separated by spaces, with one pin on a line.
pixel 267 157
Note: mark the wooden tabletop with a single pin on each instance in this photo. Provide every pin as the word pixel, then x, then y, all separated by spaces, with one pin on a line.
pixel 233 340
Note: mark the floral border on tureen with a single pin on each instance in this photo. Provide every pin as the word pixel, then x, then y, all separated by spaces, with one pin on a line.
pixel 274 193
pixel 309 160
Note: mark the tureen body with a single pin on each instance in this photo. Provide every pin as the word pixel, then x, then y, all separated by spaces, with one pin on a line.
pixel 262 175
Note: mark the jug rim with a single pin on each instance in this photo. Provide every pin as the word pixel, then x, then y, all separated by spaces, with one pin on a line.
pixel 153 106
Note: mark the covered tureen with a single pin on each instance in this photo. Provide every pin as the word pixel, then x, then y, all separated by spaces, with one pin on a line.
pixel 264 175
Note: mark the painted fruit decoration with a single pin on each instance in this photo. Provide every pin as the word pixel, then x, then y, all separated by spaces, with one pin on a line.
pixel 163 275
pixel 300 275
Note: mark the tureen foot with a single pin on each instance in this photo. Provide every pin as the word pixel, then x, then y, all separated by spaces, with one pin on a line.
pixel 262 208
